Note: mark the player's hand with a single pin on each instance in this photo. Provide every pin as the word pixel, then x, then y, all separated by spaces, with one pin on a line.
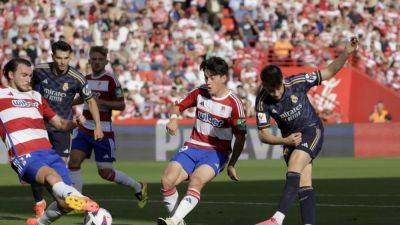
pixel 78 119
pixel 172 126
pixel 352 45
pixel 232 173
pixel 98 134
pixel 293 139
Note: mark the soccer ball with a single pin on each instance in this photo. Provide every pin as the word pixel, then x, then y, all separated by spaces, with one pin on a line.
pixel 101 217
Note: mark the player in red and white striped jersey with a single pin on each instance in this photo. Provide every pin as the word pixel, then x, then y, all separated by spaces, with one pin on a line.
pixel 219 116
pixel 108 94
pixel 22 128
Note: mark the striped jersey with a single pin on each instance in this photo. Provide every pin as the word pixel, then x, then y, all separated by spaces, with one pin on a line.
pixel 60 90
pixel 293 112
pixel 22 127
pixel 217 119
pixel 105 87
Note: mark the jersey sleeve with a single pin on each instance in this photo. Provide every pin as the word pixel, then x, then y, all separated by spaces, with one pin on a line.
pixel 305 81
pixel 239 125
pixel 262 114
pixel 46 110
pixel 190 100
pixel 116 90
pixel 85 91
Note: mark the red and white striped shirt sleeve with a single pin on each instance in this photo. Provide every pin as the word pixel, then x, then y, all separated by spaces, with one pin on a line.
pixel 46 110
pixel 188 101
pixel 238 116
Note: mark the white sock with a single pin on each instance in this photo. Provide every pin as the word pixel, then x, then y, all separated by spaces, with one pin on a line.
pixel 51 214
pixel 62 190
pixel 279 217
pixel 122 178
pixel 170 198
pixel 186 205
pixel 76 177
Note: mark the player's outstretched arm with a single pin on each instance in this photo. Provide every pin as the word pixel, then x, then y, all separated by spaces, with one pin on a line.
pixel 66 125
pixel 94 110
pixel 338 63
pixel 237 150
pixel 266 137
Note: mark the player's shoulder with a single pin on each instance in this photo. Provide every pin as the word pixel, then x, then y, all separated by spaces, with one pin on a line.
pixel 302 78
pixel 76 75
pixel 42 68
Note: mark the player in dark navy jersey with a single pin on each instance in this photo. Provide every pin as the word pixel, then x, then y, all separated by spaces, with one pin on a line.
pixel 59 83
pixel 286 101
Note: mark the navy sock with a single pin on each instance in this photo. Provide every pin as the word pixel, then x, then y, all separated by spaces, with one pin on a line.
pixel 37 191
pixel 307 205
pixel 290 192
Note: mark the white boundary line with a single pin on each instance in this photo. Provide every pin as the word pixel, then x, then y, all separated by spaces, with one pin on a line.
pixel 222 203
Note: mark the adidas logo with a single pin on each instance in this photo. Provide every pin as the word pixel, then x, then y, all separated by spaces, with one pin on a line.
pixel 305 145
pixel 216 165
pixel 188 200
pixel 10 94
pixel 45 81
pixel 106 157
pixel 66 151
pixel 273 111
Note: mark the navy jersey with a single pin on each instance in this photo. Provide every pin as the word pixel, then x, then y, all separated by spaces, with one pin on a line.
pixel 60 90
pixel 293 111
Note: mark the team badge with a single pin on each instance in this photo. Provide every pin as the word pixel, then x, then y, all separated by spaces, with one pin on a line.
pixel 262 118
pixel 294 99
pixel 119 93
pixel 65 86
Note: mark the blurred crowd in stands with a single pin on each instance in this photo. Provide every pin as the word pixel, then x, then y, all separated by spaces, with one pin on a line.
pixel 157 45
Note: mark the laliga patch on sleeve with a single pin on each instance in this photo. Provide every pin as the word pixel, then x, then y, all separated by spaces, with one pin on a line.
pixel 241 123
pixel 262 118
pixel 86 90
pixel 118 92
pixel 311 77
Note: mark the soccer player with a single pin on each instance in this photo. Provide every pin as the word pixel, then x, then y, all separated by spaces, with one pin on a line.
pixel 219 115
pixel 285 100
pixel 22 129
pixel 59 83
pixel 109 96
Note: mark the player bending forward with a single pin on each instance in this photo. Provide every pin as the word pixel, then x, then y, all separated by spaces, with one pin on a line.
pixel 219 116
pixel 22 128
pixel 108 94
pixel 286 101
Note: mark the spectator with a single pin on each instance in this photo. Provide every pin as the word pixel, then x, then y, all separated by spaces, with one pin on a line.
pixel 380 114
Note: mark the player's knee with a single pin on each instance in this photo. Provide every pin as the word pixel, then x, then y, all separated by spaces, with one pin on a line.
pixel 196 183
pixel 167 182
pixel 107 174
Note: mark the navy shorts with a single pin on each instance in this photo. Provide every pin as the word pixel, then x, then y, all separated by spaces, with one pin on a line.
pixel 28 165
pixel 61 142
pixel 312 140
pixel 191 158
pixel 104 149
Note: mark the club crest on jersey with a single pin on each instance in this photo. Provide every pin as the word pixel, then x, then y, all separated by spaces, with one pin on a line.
pixel 65 86
pixel 294 99
pixel 310 77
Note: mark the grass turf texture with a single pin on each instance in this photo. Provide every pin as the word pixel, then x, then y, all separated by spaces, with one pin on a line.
pixel 349 192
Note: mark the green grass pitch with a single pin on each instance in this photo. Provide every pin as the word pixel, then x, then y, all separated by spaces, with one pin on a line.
pixel 349 192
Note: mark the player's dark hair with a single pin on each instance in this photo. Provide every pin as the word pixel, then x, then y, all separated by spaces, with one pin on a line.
pixel 12 65
pixel 99 49
pixel 272 76
pixel 62 46
pixel 215 66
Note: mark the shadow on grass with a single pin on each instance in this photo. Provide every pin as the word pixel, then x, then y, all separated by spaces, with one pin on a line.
pixel 340 201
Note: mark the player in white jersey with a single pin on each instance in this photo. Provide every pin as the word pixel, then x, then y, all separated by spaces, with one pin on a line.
pixel 219 116
pixel 22 128
pixel 108 94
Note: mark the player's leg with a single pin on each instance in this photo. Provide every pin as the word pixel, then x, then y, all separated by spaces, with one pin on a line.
pixel 200 177
pixel 178 170
pixel 81 149
pixel 307 196
pixel 54 211
pixel 298 160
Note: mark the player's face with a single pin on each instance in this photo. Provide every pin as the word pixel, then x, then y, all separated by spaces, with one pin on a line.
pixel 97 62
pixel 21 78
pixel 61 60
pixel 275 92
pixel 215 83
